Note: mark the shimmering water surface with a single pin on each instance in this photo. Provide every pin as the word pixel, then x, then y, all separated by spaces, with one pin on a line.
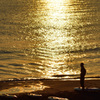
pixel 41 38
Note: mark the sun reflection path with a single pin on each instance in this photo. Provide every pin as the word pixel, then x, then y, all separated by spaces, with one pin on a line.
pixel 56 12
pixel 55 24
pixel 57 39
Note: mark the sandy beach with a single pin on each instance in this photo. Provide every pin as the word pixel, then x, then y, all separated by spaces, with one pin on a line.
pixel 46 88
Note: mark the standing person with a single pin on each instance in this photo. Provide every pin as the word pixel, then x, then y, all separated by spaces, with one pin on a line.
pixel 82 74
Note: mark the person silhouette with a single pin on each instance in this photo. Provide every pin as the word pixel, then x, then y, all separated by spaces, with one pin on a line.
pixel 82 75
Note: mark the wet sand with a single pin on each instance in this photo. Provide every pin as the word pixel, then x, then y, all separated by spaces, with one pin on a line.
pixel 59 88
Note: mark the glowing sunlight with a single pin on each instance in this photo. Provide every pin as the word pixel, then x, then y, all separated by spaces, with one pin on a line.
pixel 56 36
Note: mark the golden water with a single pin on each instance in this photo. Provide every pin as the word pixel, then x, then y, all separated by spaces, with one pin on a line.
pixel 41 38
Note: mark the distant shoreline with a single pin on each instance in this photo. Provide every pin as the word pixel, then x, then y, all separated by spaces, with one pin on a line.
pixel 54 77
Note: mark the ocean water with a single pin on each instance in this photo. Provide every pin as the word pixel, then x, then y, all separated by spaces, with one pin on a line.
pixel 42 38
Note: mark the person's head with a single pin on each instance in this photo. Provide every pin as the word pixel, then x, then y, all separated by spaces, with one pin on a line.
pixel 82 64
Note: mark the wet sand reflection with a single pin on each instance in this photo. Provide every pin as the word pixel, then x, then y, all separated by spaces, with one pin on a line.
pixel 24 89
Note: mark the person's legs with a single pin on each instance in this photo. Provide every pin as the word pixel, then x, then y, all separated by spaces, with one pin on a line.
pixel 82 82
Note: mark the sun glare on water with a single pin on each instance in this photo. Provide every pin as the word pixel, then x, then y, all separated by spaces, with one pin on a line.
pixel 54 25
pixel 56 37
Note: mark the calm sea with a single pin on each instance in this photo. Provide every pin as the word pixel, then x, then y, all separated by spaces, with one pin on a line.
pixel 41 38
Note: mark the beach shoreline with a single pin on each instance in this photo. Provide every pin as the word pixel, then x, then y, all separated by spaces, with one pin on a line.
pixel 48 87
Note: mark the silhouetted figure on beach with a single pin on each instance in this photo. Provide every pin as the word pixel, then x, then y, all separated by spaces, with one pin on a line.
pixel 82 75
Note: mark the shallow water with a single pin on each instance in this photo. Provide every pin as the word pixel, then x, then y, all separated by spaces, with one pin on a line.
pixel 41 38
pixel 32 87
